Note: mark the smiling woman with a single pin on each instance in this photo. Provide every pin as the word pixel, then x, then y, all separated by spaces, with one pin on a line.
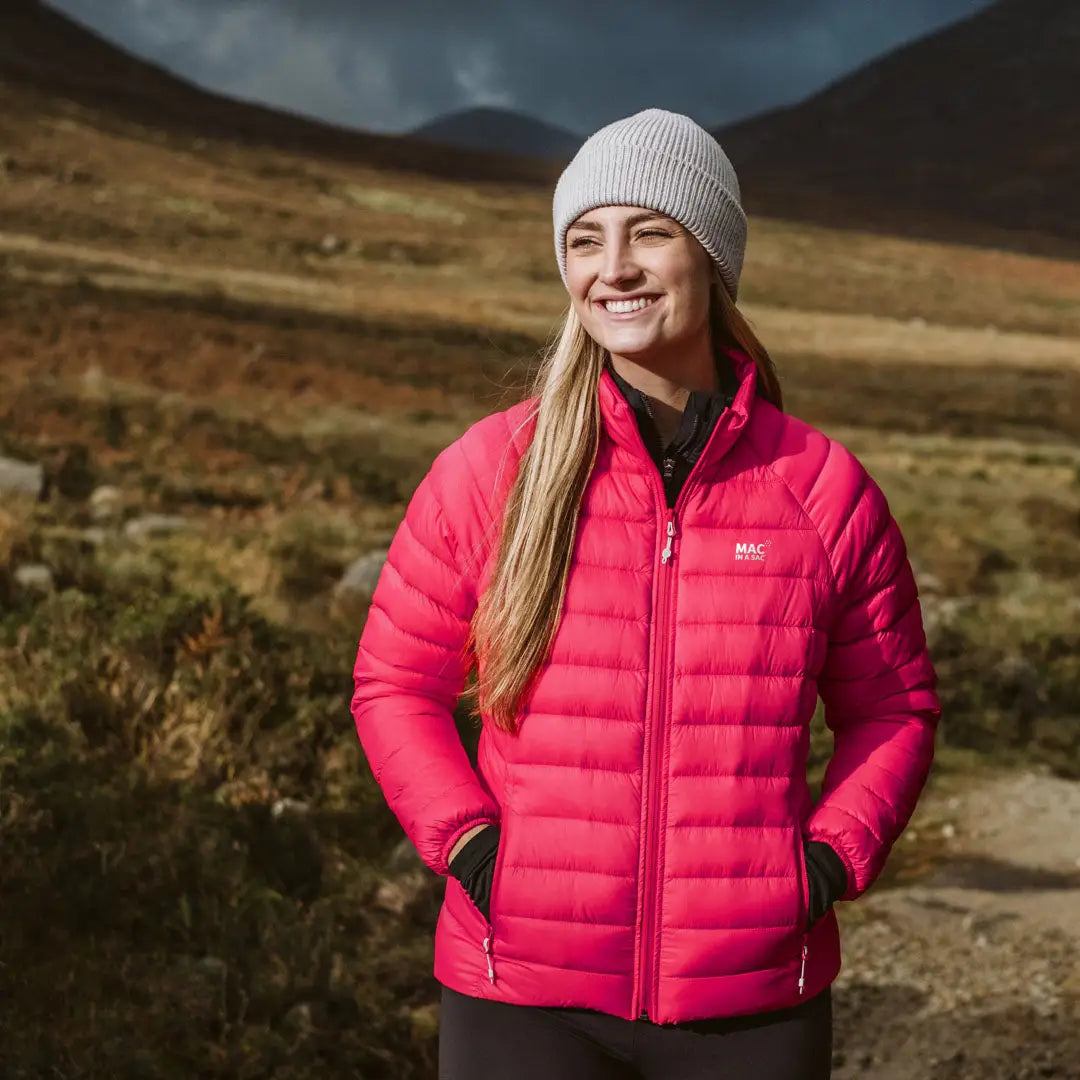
pixel 657 573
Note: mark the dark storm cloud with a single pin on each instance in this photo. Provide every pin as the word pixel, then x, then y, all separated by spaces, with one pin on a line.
pixel 391 66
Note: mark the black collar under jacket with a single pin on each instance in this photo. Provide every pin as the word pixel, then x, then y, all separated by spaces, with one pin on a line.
pixel 703 408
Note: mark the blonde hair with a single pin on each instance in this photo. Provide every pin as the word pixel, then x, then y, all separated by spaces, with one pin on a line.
pixel 517 615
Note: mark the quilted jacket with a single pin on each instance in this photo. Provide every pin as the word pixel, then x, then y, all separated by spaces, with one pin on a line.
pixel 653 803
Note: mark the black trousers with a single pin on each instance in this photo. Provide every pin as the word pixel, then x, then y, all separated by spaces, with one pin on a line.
pixel 491 1040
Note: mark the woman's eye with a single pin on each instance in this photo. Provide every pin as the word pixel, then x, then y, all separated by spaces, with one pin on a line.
pixel 582 241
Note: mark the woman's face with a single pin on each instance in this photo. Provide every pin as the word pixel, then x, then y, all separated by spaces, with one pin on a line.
pixel 618 253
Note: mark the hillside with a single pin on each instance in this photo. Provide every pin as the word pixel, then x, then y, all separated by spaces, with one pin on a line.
pixel 57 58
pixel 969 133
pixel 502 131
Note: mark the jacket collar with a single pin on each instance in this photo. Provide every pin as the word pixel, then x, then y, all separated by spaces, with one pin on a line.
pixel 619 419
pixel 698 416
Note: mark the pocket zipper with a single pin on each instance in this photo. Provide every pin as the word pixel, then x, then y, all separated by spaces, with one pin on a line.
pixel 488 956
pixel 804 881
pixel 489 937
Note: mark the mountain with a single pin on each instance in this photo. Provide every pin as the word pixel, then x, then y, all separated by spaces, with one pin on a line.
pixel 503 131
pixel 50 54
pixel 970 133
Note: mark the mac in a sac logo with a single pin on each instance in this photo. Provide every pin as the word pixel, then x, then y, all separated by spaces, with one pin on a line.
pixel 752 552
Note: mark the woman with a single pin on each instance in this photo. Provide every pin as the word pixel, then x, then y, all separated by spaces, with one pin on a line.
pixel 657 572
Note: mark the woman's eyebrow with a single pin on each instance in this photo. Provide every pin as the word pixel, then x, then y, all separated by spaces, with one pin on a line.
pixel 592 226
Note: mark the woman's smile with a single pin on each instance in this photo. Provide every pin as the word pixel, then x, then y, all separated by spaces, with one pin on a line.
pixel 625 310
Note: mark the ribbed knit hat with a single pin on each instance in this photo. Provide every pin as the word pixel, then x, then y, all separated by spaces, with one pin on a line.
pixel 662 161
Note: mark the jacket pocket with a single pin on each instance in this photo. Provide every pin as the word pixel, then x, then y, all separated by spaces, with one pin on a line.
pixel 804 883
pixel 496 871
pixel 488 941
pixel 461 900
pixel 802 929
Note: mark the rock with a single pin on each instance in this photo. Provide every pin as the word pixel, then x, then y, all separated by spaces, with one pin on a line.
pixel 361 576
pixel 21 477
pixel 94 536
pixel 331 244
pixel 106 503
pixel 148 526
pixel 95 383
pixel 34 576
pixel 213 965
pixel 398 893
pixel 298 1019
pixel 289 806
pixel 404 857
pixel 391 896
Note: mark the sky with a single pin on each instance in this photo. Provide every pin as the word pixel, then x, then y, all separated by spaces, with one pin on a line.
pixel 578 64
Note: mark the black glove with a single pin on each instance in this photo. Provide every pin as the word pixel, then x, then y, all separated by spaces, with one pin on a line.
pixel 826 876
pixel 474 867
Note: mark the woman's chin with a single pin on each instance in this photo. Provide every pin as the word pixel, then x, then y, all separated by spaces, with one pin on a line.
pixel 631 344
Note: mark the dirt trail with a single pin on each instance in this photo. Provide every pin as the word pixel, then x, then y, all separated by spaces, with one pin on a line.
pixel 973 970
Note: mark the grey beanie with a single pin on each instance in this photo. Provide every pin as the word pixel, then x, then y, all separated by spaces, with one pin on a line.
pixel 666 162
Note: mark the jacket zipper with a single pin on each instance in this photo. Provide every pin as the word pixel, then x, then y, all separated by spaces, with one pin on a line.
pixel 651 887
pixel 648 970
pixel 649 897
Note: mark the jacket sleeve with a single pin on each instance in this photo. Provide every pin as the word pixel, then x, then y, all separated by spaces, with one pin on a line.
pixel 879 690
pixel 408 675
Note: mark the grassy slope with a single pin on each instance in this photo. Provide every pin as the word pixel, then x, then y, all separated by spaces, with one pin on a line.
pixel 276 347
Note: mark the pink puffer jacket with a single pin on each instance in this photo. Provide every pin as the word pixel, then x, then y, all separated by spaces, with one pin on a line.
pixel 654 802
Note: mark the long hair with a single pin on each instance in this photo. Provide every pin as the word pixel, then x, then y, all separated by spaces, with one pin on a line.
pixel 517 615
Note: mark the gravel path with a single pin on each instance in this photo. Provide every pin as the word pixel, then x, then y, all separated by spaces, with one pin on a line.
pixel 973 969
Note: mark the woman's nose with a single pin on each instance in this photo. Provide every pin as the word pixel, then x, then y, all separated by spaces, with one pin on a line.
pixel 618 264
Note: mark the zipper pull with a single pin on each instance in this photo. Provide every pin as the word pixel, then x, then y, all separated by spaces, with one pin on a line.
pixel 666 553
pixel 490 966
pixel 802 969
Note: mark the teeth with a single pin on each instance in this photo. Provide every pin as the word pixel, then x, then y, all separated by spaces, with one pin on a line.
pixel 621 306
